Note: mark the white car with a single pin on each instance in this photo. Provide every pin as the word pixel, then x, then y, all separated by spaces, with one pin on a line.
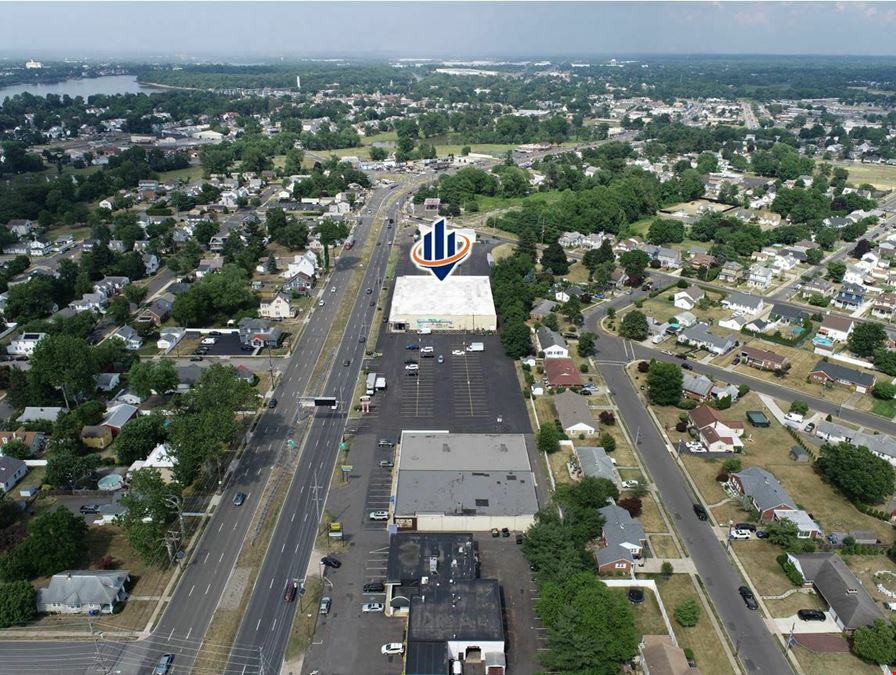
pixel 392 648
pixel 208 341
pixel 458 352
pixel 629 484
pixel 698 448
pixel 369 607
pixel 378 515
pixel 321 303
pixel 740 534
pixel 412 366
pixel 333 290
pixel 427 350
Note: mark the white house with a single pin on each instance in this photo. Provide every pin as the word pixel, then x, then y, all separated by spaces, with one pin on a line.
pixel 574 414
pixel 300 265
pixel 169 337
pixel 12 470
pixel 551 343
pixel 688 298
pixel 151 264
pixel 759 276
pixel 744 303
pixel 24 344
pixel 83 591
pixel 279 307
pixel 836 327
pixel 160 458
pixel 89 302
pixel 129 336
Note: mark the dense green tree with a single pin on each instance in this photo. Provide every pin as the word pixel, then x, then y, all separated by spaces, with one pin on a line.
pixel 17 603
pixel 151 506
pixel 884 391
pixel 148 377
pixel 66 363
pixel 875 643
pixel 516 339
pixel 664 383
pixel 866 338
pixel 634 326
pixel 548 438
pixel 56 541
pixel 687 613
pixel 836 270
pixel 65 469
pixel 634 263
pixel 858 473
pixel 885 361
pixel 586 345
pixel 665 231
pixel 554 259
pixel 138 438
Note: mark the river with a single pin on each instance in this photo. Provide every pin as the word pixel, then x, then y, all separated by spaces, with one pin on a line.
pixel 111 84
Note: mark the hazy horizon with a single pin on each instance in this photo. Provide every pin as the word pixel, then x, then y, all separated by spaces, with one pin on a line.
pixel 267 31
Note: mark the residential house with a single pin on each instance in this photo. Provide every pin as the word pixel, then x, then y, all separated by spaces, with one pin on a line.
pixel 731 273
pixel 574 413
pixel 160 459
pixel 668 258
pixel 626 245
pixel 118 415
pixel 702 261
pixel 571 239
pixel 39 414
pixel 432 204
pixel 90 302
pixel 696 387
pixel 33 440
pixel 698 335
pixel 806 527
pixel 836 328
pixel 850 297
pixel 12 470
pixel 150 264
pixel 618 278
pixel 884 306
pixel 595 463
pixel 788 314
pixel 83 592
pixel 305 264
pixel 765 492
pixel 661 656
pixel 158 311
pixel 688 298
pixel 850 604
pixel 826 372
pixel 110 285
pixel 169 337
pixel 854 275
pixel 279 307
pixel 743 303
pixel 551 343
pixel 818 286
pixel 259 333
pixel 685 319
pixel 97 436
pixel 714 432
pixel 621 542
pixel 541 310
pixel 837 222
pixel 882 445
pixel 563 294
pixel 759 276
pixel 24 344
pixel 734 322
pixel 107 381
pixel 209 266
pixel 596 240
pixel 129 336
pixel 561 373
pixel 784 262
pixel 762 359
pixel 20 227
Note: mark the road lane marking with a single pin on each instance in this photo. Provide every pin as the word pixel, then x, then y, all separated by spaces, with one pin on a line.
pixel 258 624
pixel 188 632
pixel 207 589
pixel 282 547
pixel 305 518
pixel 207 553
pixel 191 590
pixel 271 585
pixel 293 517
pixel 170 634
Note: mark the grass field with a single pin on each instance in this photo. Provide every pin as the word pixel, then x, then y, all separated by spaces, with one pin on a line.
pixel 496 203
pixel 832 663
pixel 648 619
pixel 502 251
pixel 879 175
pixel 188 174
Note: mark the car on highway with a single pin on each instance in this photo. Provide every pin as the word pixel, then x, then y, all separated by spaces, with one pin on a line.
pixel 239 499
pixel 370 607
pixel 347 363
pixel 636 596
pixel 392 648
pixel 441 359
pixel 330 561
pixel 292 589
pixel 333 290
pixel 272 403
pixel 412 346
pixel 748 598
pixel 375 587
pixel 362 339
pixel 90 508
pixel 378 515
pixel 164 664
pixel 687 366
pixel 321 303
pixel 386 443
pixel 458 352
pixel 412 366
pixel 429 349
pixel 369 291
pixel 386 463
pixel 811 615
pixel 324 605
pixel 372 303
pixel 700 512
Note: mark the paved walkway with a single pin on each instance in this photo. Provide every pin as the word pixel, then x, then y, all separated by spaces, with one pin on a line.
pixel 679 565
pixel 773 407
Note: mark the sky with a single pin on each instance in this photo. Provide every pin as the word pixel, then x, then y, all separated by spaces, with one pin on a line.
pixel 272 30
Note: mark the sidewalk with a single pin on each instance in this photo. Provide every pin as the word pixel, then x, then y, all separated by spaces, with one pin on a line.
pixel 655 565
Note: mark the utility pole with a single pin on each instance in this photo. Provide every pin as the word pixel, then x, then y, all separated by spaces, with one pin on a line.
pixel 100 657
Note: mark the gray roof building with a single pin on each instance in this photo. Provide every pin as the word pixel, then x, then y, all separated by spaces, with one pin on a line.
pixel 548 338
pixel 574 413
pixel 763 488
pixel 623 536
pixel 838 373
pixel 743 302
pixel 699 335
pixel 76 591
pixel 850 603
pixel 697 385
pixel 594 462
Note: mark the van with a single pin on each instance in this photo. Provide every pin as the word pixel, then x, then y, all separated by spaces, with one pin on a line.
pixel 324 605
pixel 475 347
pixel 424 331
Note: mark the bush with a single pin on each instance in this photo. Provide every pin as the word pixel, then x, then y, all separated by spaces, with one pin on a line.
pixel 722 477
pixel 687 404
pixel 687 613
pixel 884 391
pixel 743 390
pixel 732 465
pixel 607 442
pixel 643 366
pixel 583 367
pixel 790 570
pixel 682 283
pixel 607 417
pixel 681 427
pixel 666 569
pixel 632 505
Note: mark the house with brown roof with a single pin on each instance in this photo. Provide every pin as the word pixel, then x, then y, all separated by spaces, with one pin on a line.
pixel 702 261
pixel 836 327
pixel 661 656
pixel 562 373
pixel 762 359
pixel 33 440
pixel 715 433
pixel 97 437
pixel 884 306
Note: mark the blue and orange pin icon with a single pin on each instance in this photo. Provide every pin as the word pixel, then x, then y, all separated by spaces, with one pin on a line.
pixel 441 250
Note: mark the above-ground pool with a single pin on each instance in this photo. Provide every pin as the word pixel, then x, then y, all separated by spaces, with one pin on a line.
pixel 111 482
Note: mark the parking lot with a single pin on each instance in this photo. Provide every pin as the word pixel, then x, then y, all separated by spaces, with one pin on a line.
pixel 227 344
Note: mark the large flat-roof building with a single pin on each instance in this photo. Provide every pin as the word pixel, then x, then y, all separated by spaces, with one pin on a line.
pixel 455 304
pixel 450 482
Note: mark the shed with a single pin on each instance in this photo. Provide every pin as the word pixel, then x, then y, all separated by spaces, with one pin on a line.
pixel 758 419
pixel 799 454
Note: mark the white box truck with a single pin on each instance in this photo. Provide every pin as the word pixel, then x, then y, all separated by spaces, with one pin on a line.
pixel 381 383
pixel 371 384
pixel 475 347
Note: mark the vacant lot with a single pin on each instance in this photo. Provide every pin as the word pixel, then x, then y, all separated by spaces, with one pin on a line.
pixel 879 175
pixel 832 663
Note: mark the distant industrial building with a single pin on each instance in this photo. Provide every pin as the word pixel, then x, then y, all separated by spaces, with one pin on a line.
pixel 454 617
pixel 451 482
pixel 455 304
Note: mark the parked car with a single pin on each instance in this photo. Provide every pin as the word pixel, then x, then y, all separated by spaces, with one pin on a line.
pixel 196 358
pixel 386 443
pixel 412 366
pixel 636 596
pixel 208 341
pixel 392 648
pixel 412 346
pixel 164 664
pixel 687 366
pixel 441 359
pixel 375 587
pixel 239 499
pixel 457 352
pixel 739 534
pixel 413 373
pixel 748 597
pixel 809 428
pixel 761 534
pixel 324 605
pixel 90 508
pixel 428 349
pixel 272 403
pixel 386 464
pixel 330 561
pixel 811 615
pixel 378 515
pixel 700 511
pixel 630 484
pixel 369 607
pixel 292 588
pixel 745 526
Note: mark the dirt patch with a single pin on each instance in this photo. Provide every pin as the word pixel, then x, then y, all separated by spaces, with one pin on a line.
pixel 233 593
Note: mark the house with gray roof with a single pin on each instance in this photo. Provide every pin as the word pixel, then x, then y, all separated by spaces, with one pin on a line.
pixel 259 333
pixel 574 413
pixel 621 541
pixel 850 604
pixel 551 343
pixel 40 414
pixel 826 372
pixel 541 310
pixel 698 335
pixel 764 491
pixel 743 303
pixel 83 591
pixel 596 463
pixel 697 387
pixel 882 445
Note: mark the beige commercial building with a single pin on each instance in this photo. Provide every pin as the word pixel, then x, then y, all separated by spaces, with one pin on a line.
pixel 458 303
